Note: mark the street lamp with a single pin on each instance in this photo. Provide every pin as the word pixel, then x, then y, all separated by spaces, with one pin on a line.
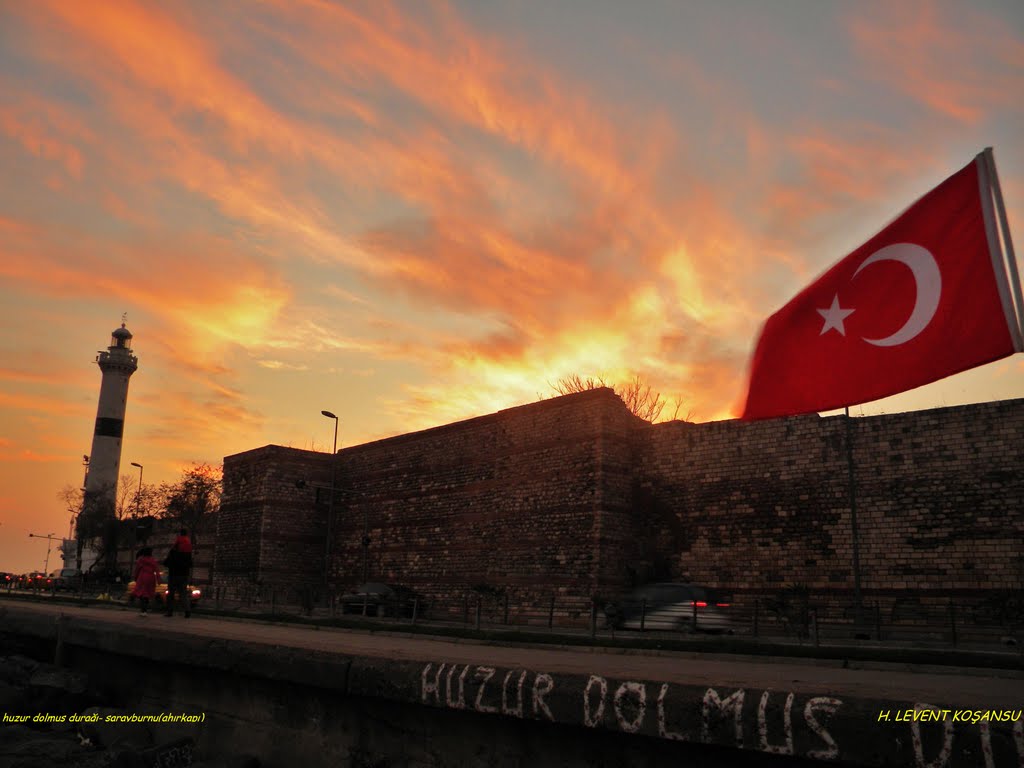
pixel 138 496
pixel 75 517
pixel 49 545
pixel 330 502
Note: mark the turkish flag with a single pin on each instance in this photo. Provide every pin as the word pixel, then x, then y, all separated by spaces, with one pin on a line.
pixel 925 298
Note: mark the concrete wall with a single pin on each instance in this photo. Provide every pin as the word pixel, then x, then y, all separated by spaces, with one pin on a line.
pixel 575 496
pixel 294 704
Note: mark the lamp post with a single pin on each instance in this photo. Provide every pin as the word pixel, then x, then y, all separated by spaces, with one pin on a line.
pixel 138 496
pixel 49 545
pixel 366 543
pixel 330 501
pixel 74 518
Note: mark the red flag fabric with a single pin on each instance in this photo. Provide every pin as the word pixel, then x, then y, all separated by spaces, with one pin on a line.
pixel 923 299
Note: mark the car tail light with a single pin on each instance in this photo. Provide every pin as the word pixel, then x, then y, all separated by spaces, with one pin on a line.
pixel 722 605
pixel 699 604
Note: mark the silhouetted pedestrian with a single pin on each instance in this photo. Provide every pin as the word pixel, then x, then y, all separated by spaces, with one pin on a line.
pixel 146 576
pixel 179 564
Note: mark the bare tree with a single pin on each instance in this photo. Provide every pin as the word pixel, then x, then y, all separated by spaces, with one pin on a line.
pixel 641 400
pixel 639 397
pixel 125 497
pixel 135 500
pixel 194 496
pixel 71 498
pixel 678 400
pixel 568 385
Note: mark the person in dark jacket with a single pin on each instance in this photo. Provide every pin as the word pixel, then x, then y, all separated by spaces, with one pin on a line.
pixel 179 565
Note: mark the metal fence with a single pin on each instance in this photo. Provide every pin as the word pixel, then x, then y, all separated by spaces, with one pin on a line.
pixel 996 620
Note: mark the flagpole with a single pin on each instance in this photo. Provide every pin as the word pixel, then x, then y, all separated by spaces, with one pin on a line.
pixel 858 607
pixel 1011 258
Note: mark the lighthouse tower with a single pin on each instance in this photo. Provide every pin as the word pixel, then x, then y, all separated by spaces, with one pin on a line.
pixel 117 364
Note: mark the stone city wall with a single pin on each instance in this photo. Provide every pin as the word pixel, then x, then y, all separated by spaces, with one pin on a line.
pixel 939 500
pixel 531 499
pixel 574 496
pixel 269 530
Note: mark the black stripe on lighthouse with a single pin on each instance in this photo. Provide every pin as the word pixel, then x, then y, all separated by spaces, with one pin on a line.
pixel 107 427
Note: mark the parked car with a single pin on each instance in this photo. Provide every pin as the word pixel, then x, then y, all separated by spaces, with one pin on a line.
pixel 377 599
pixel 161 593
pixel 681 607
pixel 7 580
pixel 69 579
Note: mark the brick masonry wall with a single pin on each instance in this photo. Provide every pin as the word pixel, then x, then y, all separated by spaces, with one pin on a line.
pixel 270 529
pixel 757 506
pixel 516 500
pixel 575 496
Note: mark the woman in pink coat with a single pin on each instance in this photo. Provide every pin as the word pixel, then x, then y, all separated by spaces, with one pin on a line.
pixel 146 575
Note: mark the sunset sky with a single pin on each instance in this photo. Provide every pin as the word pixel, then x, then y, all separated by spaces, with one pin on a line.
pixel 412 213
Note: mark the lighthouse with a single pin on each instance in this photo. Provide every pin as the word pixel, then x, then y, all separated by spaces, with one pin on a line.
pixel 98 516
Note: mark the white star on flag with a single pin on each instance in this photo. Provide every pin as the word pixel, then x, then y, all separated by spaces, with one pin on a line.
pixel 834 317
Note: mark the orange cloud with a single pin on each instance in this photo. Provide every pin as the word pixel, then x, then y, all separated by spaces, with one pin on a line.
pixel 34 137
pixel 40 404
pixel 481 111
pixel 29 456
pixel 957 61
pixel 520 226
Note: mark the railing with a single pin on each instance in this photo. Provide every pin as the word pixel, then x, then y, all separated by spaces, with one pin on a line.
pixel 817 620
pixel 905 620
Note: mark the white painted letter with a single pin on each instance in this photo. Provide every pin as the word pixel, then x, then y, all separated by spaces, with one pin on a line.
pixel 663 731
pixel 505 710
pixel 735 699
pixel 485 674
pixel 432 688
pixel 540 692
pixel 640 691
pixel 588 720
pixel 787 726
pixel 829 706
pixel 460 702
pixel 942 760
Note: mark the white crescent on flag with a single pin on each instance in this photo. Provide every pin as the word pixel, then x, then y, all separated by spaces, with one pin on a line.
pixel 928 279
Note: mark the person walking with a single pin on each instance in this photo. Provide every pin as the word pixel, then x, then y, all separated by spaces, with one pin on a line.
pixel 146 576
pixel 179 565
